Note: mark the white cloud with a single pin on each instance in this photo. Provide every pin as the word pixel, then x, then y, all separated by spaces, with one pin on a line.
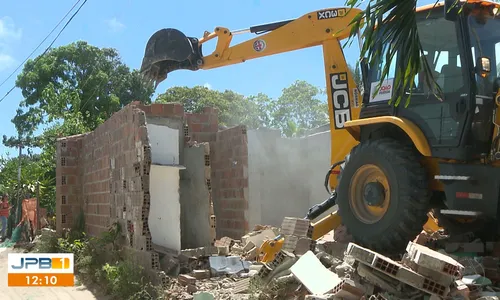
pixel 8 30
pixel 208 86
pixel 6 61
pixel 115 25
pixel 8 34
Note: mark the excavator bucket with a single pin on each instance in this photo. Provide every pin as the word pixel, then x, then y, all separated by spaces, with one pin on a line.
pixel 168 50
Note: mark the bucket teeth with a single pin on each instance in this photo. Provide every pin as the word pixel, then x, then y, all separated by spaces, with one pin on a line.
pixel 168 50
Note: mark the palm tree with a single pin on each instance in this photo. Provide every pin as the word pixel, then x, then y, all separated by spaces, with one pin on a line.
pixel 401 34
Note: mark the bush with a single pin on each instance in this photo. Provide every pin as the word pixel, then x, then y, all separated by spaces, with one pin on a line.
pixel 100 260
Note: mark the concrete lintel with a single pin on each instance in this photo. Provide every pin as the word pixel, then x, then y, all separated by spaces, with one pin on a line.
pixel 180 167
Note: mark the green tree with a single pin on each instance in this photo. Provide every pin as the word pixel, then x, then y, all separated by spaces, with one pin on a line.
pixel 71 89
pixel 78 78
pixel 233 108
pixel 298 109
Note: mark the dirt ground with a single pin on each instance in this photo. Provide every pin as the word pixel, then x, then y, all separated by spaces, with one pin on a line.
pixel 41 293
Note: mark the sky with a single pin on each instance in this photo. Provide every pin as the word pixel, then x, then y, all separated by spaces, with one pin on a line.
pixel 126 25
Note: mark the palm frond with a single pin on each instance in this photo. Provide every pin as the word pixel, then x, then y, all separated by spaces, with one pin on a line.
pixel 399 31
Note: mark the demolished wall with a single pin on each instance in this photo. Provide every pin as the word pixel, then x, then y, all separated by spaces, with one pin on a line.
pixel 127 171
pixel 243 178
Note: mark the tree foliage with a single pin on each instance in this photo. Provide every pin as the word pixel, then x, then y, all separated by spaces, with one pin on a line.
pixel 297 109
pixel 78 78
pixel 71 90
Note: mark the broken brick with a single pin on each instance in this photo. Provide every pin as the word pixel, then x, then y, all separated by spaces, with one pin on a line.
pixel 185 279
pixel 201 274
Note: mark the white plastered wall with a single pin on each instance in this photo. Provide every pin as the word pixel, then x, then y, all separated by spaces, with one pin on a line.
pixel 165 211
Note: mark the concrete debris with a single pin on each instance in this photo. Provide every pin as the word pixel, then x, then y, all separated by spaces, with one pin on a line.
pixel 308 269
pixel 220 265
pixel 434 266
pixel 258 237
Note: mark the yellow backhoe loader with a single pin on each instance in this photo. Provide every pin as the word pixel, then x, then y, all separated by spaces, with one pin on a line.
pixel 392 164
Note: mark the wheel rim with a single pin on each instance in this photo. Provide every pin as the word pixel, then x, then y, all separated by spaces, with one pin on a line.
pixel 373 179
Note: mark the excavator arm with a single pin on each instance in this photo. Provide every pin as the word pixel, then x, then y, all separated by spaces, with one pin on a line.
pixel 169 49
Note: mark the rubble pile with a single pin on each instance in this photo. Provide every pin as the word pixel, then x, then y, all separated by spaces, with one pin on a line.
pixel 434 266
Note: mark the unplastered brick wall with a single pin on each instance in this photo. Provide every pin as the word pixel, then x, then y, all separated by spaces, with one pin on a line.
pixel 68 181
pixel 112 180
pixel 105 173
pixel 229 167
pixel 202 127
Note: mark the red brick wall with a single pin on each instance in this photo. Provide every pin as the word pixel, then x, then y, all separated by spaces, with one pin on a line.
pixel 201 127
pixel 109 173
pixel 229 154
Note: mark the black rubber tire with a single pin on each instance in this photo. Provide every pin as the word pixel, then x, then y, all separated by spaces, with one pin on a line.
pixel 410 195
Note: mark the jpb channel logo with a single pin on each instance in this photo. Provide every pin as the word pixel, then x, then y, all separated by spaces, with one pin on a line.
pixel 41 269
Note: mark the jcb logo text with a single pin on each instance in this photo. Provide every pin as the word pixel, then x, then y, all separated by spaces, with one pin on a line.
pixel 340 99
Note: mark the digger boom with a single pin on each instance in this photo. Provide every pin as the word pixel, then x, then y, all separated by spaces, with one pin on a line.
pixel 169 49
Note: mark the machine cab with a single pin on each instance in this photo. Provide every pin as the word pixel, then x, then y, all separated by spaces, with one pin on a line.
pixel 462 49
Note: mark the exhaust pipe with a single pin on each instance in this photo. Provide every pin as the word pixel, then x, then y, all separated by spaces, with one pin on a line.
pixel 168 50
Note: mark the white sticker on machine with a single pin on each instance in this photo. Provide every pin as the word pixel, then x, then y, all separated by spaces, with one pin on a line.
pixel 384 93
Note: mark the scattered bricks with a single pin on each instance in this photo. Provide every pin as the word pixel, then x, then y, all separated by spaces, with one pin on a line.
pixel 201 274
pixel 304 245
pixel 191 289
pixel 441 278
pixel 290 243
pixel 210 251
pixel 264 271
pixel 225 241
pixel 348 289
pixel 460 290
pixel 422 238
pixel 433 260
pixel 295 226
pixel 258 237
pixel 378 296
pixel 222 250
pixel 385 282
pixel 237 250
pixel 241 286
pixel 252 254
pixel 333 248
pixel 185 279
pixel 193 253
pixel 396 270
pixel 327 260
pixel 313 275
pixel 280 258
pixel 320 297
pixel 249 246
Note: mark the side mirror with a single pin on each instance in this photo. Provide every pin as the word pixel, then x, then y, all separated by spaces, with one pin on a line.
pixel 483 66
pixel 451 9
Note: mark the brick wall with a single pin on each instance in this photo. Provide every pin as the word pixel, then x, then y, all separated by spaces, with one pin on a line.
pixel 229 167
pixel 68 182
pixel 201 127
pixel 105 173
pixel 109 180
